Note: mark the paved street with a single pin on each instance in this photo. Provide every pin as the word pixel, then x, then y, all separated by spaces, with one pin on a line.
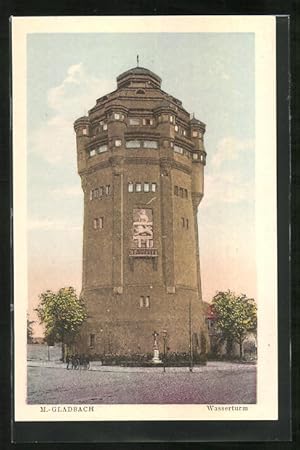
pixel 218 382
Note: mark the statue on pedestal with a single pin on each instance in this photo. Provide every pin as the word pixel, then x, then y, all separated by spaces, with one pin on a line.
pixel 155 358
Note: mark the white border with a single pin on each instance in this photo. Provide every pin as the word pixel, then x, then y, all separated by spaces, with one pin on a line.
pixel 266 231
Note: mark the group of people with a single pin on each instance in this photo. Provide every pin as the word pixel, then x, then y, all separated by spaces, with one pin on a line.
pixel 77 362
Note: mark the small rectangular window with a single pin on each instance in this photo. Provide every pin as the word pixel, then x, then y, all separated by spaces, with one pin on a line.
pixel 96 193
pixel 92 340
pixel 105 127
pixel 138 187
pixel 147 302
pixel 107 189
pixel 101 191
pixel 91 195
pixel 117 116
pixel 176 190
pixel 101 122
pixel 84 131
pixel 183 222
pixel 187 223
pixel 153 187
pixel 195 134
pixel 141 302
pixel 195 156
pixel 171 119
pixel 178 149
pixel 130 187
pixel 150 144
pixel 101 222
pixel 118 143
pixel 184 133
pixel 176 128
pixel 134 121
pixel 102 148
pixel 181 192
pixel 96 224
pixel 133 144
pixel 186 193
pixel 92 152
pixel 146 187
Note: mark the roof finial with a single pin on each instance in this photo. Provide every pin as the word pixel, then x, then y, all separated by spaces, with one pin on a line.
pixel 137 60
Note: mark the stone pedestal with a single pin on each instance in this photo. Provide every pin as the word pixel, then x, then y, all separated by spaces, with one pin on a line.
pixel 155 358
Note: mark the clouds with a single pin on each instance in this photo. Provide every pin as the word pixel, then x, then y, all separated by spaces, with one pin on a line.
pixel 230 148
pixel 228 180
pixel 54 139
pixel 52 225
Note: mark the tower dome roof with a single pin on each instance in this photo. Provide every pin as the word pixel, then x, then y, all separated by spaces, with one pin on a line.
pixel 138 74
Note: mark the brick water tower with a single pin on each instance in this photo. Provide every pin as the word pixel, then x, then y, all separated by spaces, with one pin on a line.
pixel 141 160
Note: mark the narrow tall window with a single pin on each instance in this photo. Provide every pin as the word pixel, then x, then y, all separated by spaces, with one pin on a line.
pixel 91 195
pixel 130 187
pixel 147 302
pixel 176 190
pixel 187 223
pixel 186 193
pixel 105 127
pixel 182 222
pixel 153 187
pixel 146 187
pixel 96 223
pixel 96 193
pixel 101 222
pixel 107 189
pixel 138 187
pixel 141 302
pixel 181 192
pixel 176 128
pixel 92 340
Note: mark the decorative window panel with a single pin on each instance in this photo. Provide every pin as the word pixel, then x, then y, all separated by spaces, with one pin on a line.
pixel 142 230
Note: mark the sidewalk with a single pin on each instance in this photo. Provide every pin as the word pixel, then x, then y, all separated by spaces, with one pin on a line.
pixel 97 366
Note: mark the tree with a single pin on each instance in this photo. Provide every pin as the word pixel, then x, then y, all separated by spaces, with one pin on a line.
pixel 62 314
pixel 29 331
pixel 235 315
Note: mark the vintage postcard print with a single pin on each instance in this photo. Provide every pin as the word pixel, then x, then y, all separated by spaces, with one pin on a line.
pixel 145 264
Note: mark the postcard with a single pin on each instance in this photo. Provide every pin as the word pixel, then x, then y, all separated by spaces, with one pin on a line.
pixel 145 218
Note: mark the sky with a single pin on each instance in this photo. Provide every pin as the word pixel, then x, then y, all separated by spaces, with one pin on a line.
pixel 212 74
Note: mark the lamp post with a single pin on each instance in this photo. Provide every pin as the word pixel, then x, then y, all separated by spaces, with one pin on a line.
pixel 164 334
